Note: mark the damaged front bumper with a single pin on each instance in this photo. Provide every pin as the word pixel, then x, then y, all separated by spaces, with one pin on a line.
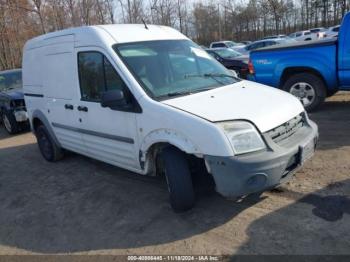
pixel 255 172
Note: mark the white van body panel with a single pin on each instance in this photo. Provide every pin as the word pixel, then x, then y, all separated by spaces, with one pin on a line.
pixel 121 33
pixel 162 123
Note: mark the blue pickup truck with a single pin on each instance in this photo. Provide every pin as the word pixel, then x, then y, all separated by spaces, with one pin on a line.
pixel 311 71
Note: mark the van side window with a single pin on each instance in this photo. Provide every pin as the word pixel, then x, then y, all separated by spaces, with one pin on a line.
pixel 112 78
pixel 97 75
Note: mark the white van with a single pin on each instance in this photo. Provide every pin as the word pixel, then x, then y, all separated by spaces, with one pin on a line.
pixel 147 99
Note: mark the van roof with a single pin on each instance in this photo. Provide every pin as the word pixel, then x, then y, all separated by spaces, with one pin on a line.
pixel 117 33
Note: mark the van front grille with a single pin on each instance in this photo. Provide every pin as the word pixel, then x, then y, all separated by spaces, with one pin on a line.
pixel 287 129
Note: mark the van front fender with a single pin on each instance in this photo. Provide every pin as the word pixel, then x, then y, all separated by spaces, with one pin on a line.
pixel 166 136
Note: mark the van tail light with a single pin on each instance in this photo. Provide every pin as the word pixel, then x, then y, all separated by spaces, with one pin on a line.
pixel 251 67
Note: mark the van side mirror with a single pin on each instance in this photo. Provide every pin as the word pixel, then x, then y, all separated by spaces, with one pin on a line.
pixel 114 99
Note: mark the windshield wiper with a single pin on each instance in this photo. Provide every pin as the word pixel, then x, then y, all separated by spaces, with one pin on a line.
pixel 211 75
pixel 187 92
pixel 178 93
pixel 207 75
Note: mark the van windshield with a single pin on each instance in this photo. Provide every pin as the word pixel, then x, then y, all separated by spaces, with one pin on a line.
pixel 170 68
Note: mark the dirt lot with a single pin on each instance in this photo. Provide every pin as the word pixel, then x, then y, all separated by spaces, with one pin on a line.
pixel 83 206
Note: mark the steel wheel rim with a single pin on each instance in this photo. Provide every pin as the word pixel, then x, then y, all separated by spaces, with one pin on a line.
pixel 7 123
pixel 304 92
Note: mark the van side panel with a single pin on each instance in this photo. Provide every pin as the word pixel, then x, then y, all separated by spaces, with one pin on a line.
pixel 32 82
pixel 59 70
pixel 59 78
pixel 32 75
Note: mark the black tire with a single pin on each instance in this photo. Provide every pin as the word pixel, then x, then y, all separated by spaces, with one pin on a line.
pixel 9 122
pixel 332 92
pixel 178 176
pixel 312 81
pixel 48 148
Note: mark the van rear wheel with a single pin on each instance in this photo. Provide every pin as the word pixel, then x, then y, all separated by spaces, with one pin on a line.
pixel 178 176
pixel 48 148
pixel 308 88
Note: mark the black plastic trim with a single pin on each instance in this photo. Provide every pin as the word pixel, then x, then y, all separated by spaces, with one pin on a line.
pixel 94 133
pixel 33 95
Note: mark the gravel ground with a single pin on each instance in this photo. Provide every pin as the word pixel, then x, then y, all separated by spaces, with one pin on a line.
pixel 83 206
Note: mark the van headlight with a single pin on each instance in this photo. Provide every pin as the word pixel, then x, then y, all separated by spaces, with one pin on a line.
pixel 243 136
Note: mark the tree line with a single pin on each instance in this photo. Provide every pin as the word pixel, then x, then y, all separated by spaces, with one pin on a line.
pixel 203 20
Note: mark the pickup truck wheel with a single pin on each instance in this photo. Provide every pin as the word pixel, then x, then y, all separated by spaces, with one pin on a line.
pixel 178 177
pixel 308 88
pixel 48 148
pixel 9 122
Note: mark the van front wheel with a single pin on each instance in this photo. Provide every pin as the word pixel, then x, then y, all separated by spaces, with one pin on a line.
pixel 48 148
pixel 177 173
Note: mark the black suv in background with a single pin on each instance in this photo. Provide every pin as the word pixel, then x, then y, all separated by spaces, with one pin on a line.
pixel 13 113
pixel 231 60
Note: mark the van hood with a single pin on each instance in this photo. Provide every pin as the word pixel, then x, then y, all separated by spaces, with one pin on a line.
pixel 264 106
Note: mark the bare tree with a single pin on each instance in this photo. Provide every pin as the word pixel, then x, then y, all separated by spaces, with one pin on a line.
pixel 38 8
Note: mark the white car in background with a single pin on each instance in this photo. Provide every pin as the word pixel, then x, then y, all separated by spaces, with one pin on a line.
pixel 226 44
pixel 318 32
pixel 302 36
pixel 331 32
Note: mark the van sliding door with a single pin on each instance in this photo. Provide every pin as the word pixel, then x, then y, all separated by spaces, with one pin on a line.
pixel 61 90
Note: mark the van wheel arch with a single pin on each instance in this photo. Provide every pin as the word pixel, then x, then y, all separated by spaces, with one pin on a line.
pixel 36 123
pixel 39 118
pixel 47 146
pixel 152 154
pixel 157 140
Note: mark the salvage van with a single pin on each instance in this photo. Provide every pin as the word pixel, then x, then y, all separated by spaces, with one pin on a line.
pixel 148 99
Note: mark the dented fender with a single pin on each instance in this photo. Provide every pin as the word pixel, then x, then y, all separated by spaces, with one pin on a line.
pixel 169 136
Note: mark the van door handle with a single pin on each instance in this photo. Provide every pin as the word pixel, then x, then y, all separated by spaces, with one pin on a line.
pixel 83 108
pixel 68 106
